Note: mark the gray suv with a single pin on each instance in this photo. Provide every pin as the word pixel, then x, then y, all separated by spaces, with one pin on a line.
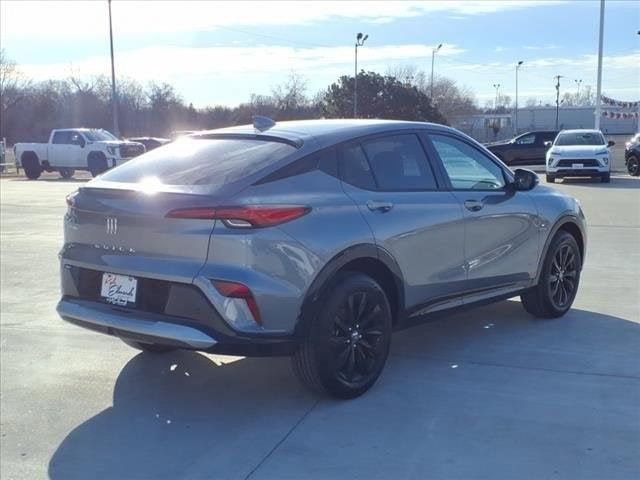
pixel 314 239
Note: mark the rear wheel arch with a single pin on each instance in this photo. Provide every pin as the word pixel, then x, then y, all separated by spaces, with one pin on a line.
pixel 367 259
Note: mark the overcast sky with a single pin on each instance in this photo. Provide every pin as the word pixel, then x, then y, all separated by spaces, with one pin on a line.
pixel 220 53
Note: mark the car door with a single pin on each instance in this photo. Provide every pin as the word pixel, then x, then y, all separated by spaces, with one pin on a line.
pixel 58 151
pixel 525 148
pixel 76 155
pixel 411 217
pixel 501 224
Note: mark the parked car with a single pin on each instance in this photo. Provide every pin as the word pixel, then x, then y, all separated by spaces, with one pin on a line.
pixel 150 142
pixel 632 155
pixel 72 149
pixel 314 239
pixel 579 153
pixel 526 149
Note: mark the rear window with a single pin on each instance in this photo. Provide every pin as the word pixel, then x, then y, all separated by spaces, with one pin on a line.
pixel 201 162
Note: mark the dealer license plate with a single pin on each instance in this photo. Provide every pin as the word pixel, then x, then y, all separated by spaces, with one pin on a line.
pixel 118 289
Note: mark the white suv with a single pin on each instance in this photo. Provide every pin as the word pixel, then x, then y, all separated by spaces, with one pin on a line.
pixel 579 153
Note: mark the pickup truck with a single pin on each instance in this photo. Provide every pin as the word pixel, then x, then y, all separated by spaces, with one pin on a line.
pixel 72 149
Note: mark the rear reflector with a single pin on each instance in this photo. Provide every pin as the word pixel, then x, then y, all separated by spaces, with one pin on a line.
pixel 239 290
pixel 244 217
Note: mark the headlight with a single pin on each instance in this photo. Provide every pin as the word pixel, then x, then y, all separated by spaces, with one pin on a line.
pixel 555 153
pixel 603 152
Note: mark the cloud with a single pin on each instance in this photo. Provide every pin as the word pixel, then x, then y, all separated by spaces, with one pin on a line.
pixel 168 63
pixel 143 18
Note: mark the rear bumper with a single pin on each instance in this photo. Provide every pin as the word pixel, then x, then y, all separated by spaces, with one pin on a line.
pixel 168 330
pixel 122 323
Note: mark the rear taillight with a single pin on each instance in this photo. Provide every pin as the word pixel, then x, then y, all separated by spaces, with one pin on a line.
pixel 244 217
pixel 71 199
pixel 240 291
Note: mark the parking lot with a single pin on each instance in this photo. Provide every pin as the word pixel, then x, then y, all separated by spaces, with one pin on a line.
pixel 489 393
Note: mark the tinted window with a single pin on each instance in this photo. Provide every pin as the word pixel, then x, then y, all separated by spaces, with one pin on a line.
pixel 546 137
pixel 201 162
pixel 528 139
pixel 467 167
pixel 579 138
pixel 354 168
pixel 399 163
pixel 61 138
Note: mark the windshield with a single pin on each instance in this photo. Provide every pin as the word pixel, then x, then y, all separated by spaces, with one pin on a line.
pixel 201 161
pixel 580 138
pixel 98 135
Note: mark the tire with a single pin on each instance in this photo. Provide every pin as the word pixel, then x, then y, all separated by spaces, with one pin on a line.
pixel 606 178
pixel 31 165
pixel 633 165
pixel 559 279
pixel 66 172
pixel 149 347
pixel 349 340
pixel 97 163
pixel 551 179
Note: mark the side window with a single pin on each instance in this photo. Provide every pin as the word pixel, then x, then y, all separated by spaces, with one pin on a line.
pixel 61 138
pixel 354 168
pixel 399 163
pixel 467 167
pixel 76 138
pixel 527 139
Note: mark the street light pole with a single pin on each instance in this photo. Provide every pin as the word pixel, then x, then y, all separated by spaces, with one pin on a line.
pixel 515 127
pixel 599 88
pixel 433 61
pixel 114 96
pixel 578 83
pixel 557 77
pixel 360 39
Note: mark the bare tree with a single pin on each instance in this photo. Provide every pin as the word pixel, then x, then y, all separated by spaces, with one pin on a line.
pixel 451 100
pixel 12 89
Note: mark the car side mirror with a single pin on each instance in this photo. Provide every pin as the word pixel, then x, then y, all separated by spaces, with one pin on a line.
pixel 610 143
pixel 525 180
pixel 548 143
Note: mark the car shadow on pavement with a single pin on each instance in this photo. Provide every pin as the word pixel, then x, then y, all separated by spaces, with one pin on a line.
pixel 184 415
pixel 616 182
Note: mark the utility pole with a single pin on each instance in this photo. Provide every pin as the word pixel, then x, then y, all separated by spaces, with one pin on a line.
pixel 433 61
pixel 360 39
pixel 557 77
pixel 114 96
pixel 515 127
pixel 599 88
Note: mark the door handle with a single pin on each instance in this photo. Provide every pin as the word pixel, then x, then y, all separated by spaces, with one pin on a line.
pixel 382 207
pixel 473 205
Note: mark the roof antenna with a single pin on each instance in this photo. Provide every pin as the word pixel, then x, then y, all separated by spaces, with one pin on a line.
pixel 261 123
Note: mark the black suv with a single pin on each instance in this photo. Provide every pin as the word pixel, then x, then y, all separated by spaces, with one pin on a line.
pixel 527 148
pixel 632 155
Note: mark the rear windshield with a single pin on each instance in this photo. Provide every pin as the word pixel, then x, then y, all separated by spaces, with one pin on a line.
pixel 201 162
pixel 583 138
